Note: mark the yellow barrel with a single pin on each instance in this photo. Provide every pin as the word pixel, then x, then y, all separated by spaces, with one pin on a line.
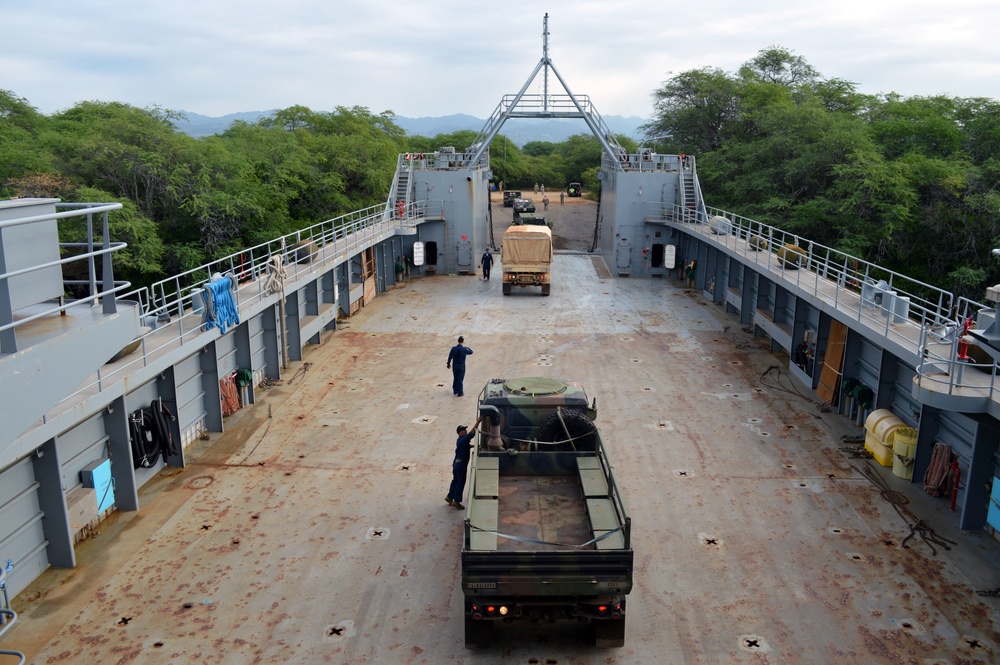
pixel 904 448
pixel 904 442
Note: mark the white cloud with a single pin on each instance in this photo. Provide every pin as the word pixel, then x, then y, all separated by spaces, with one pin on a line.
pixel 423 58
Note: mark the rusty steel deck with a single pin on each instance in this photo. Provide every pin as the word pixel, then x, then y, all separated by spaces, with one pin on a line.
pixel 315 531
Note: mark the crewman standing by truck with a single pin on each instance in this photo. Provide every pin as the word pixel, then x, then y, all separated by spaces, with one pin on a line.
pixel 460 465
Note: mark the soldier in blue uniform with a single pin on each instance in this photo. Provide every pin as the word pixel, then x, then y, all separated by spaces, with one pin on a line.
pixel 456 363
pixel 486 262
pixel 460 465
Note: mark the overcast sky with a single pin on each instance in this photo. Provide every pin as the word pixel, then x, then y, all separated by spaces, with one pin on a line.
pixel 440 57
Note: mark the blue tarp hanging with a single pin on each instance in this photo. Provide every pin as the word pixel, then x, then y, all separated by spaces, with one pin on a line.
pixel 221 311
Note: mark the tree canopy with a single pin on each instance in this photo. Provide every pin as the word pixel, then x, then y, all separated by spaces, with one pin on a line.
pixel 910 183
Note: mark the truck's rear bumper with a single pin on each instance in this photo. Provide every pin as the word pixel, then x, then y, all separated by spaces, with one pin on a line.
pixel 526 278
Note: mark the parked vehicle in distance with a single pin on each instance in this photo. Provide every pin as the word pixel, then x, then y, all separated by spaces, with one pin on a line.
pixel 574 189
pixel 524 205
pixel 509 196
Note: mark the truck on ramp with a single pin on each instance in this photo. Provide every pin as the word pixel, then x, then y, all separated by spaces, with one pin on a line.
pixel 547 537
pixel 526 256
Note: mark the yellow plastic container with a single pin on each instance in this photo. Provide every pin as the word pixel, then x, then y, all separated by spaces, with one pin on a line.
pixel 904 442
pixel 882 454
pixel 881 426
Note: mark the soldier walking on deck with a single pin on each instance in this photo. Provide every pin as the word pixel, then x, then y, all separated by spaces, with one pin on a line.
pixel 486 263
pixel 460 465
pixel 456 363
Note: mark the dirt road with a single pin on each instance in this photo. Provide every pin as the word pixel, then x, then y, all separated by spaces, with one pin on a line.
pixel 572 221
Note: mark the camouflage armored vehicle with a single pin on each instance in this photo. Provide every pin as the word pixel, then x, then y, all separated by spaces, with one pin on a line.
pixel 533 220
pixel 509 196
pixel 547 537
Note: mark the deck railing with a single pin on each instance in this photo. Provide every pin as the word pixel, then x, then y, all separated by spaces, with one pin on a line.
pixel 89 251
pixel 175 304
pixel 923 319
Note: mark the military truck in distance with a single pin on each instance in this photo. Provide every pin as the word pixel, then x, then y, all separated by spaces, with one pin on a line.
pixel 547 537
pixel 509 196
pixel 535 220
pixel 526 257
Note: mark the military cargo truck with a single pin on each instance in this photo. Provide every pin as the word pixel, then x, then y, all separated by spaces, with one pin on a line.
pixel 526 257
pixel 547 537
pixel 534 220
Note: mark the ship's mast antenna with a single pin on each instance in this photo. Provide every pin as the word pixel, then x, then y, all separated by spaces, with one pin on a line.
pixel 545 59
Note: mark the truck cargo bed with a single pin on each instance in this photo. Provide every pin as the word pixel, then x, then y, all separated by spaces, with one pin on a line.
pixel 541 508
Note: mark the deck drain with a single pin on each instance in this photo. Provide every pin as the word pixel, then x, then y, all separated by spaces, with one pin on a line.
pixel 753 643
pixel 855 556
pixel 727 385
pixel 836 530
pixel 377 533
pixel 894 497
pixel 408 466
pixel 626 339
pixel 765 434
pixel 665 425
pixel 789 466
pixel 423 420
pixel 635 360
pixel 909 625
pixel 648 389
pixel 713 366
pixel 683 473
pixel 736 363
pixel 439 385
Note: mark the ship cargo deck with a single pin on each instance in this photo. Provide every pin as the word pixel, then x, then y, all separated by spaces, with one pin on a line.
pixel 314 530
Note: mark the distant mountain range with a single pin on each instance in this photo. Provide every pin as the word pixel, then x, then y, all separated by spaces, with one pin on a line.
pixel 518 131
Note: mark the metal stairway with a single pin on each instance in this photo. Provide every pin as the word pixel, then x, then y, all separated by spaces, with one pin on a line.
pixel 403 185
pixel 687 191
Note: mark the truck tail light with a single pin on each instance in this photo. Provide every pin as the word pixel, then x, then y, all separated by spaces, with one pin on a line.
pixel 477 612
